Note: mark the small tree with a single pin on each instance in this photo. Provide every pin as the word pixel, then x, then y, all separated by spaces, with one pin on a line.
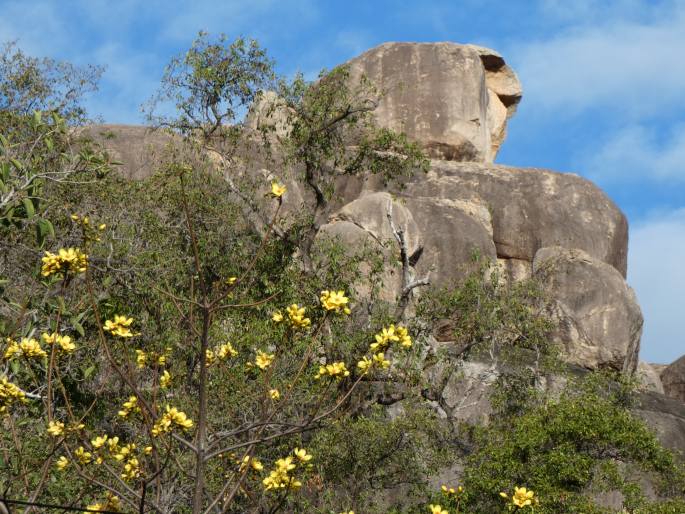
pixel 28 84
pixel 122 377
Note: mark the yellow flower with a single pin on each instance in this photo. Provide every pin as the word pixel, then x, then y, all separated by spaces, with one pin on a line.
pixel 437 509
pixel 285 464
pixel 210 357
pixel 521 498
pixel 274 394
pixel 10 394
pixel 336 370
pixel 141 358
pixel 379 361
pixel 279 477
pixel 102 227
pixel 29 348
pixel 252 462
pixel 277 316
pixel 165 380
pixel 405 338
pixel 113 504
pixel 131 469
pixel 263 360
pixel 451 491
pixel 225 350
pixel 67 261
pixel 384 339
pixel 129 406
pixel 62 463
pixel 99 441
pixel 296 316
pixel 83 456
pixel 171 417
pixel 55 428
pixel 335 301
pixel 365 364
pixel 123 452
pixel 277 190
pixel 64 342
pixel 231 280
pixel 119 327
pixel 113 445
pixel 389 335
pixel 302 455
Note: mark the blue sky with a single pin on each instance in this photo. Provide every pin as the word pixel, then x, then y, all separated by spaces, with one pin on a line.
pixel 603 81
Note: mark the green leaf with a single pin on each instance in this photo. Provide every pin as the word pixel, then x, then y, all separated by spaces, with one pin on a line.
pixel 29 208
pixel 37 117
pixel 88 371
pixel 18 165
pixel 14 365
pixel 78 327
pixel 43 229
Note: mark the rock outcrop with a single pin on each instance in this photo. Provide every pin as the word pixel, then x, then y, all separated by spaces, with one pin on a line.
pixel 649 377
pixel 139 150
pixel 599 322
pixel 557 227
pixel 673 379
pixel 454 99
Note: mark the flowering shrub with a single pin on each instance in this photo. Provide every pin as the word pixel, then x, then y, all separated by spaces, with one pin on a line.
pixel 192 349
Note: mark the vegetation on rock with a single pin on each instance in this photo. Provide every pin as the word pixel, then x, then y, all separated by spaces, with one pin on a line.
pixel 180 344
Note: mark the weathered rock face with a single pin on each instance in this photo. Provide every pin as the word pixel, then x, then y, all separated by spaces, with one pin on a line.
pixel 599 320
pixel 649 378
pixel 139 149
pixel 666 416
pixel 363 225
pixel 454 99
pixel 532 208
pixel 673 379
pixel 505 214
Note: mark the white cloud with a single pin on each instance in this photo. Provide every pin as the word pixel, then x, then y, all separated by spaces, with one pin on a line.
pixel 638 153
pixel 657 273
pixel 620 63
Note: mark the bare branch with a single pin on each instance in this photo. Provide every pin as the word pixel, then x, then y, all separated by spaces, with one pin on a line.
pixel 408 282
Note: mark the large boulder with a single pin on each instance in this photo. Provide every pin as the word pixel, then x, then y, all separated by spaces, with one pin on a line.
pixel 649 378
pixel 520 209
pixel 442 95
pixel 673 379
pixel 452 232
pixel 599 319
pixel 666 416
pixel 532 208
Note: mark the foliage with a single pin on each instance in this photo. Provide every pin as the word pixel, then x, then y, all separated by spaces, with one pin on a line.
pixel 212 83
pixel 568 446
pixel 184 344
pixel 366 457
pixel 145 360
pixel 35 150
pixel 29 84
